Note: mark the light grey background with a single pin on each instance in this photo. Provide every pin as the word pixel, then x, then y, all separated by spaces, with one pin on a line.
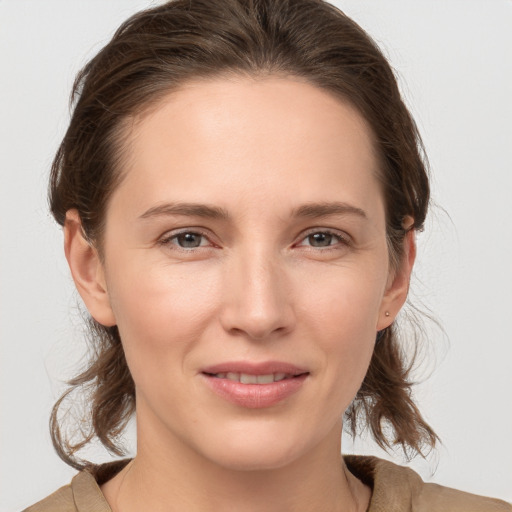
pixel 454 60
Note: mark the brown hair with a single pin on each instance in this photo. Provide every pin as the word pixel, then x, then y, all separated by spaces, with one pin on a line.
pixel 158 50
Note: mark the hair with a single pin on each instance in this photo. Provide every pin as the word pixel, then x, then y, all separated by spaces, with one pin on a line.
pixel 157 51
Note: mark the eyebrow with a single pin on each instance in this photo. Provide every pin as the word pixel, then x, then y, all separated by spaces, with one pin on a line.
pixel 308 210
pixel 188 209
pixel 315 210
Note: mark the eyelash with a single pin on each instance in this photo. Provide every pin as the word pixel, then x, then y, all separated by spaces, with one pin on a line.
pixel 168 239
pixel 342 239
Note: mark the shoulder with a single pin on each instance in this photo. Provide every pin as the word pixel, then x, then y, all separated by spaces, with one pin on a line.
pixel 60 501
pixel 400 489
pixel 83 494
pixel 438 497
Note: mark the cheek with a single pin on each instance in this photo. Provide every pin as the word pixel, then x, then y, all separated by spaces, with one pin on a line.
pixel 160 310
pixel 342 314
pixel 345 299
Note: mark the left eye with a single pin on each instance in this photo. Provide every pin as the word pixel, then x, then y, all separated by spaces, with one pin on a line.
pixel 188 240
pixel 322 239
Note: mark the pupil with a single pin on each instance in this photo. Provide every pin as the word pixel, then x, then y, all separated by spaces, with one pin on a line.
pixel 189 240
pixel 320 239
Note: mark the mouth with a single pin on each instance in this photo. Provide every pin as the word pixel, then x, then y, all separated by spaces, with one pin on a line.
pixel 247 378
pixel 255 386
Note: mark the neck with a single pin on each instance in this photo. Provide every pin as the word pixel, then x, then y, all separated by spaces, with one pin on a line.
pixel 174 477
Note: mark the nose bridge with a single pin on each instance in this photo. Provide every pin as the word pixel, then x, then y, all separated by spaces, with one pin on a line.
pixel 257 302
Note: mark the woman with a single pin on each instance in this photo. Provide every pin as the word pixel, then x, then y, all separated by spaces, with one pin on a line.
pixel 239 188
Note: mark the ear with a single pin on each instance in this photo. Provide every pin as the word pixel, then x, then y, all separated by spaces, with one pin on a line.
pixel 398 284
pixel 87 270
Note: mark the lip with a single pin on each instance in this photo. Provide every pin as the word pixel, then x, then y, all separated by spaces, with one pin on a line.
pixel 253 368
pixel 254 396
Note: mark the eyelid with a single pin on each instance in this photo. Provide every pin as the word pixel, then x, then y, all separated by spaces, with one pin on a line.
pixel 344 237
pixel 172 234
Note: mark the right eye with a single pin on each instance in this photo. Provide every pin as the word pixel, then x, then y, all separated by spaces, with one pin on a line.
pixel 186 240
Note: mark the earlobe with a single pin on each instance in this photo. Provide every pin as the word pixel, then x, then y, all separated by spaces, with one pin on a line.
pixel 87 270
pixel 398 286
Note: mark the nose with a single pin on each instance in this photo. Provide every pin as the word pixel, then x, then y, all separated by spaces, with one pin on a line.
pixel 258 301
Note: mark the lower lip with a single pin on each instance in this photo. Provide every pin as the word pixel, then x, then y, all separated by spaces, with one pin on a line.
pixel 254 396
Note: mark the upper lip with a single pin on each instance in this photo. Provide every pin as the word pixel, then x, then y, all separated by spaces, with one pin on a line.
pixel 255 368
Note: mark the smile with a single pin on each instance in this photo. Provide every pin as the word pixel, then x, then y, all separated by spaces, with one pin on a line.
pixel 246 378
pixel 254 385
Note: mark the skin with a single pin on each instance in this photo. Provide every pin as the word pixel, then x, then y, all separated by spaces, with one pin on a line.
pixel 258 287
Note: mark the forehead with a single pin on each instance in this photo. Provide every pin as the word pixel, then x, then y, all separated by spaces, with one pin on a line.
pixel 278 140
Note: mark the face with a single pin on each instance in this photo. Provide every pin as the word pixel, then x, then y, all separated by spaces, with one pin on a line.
pixel 246 266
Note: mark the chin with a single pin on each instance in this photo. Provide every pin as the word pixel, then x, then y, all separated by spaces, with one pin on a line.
pixel 256 459
pixel 255 450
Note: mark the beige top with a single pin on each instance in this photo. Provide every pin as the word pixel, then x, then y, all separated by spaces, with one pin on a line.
pixel 395 489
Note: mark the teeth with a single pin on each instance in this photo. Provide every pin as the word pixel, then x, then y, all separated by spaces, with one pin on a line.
pixel 246 378
pixel 265 379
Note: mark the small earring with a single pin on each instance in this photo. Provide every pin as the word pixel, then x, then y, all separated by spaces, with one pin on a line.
pixel 387 313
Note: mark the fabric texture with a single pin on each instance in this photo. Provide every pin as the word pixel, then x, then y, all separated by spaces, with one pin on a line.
pixel 394 489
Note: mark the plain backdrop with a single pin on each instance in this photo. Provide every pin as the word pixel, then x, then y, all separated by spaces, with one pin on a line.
pixel 454 62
